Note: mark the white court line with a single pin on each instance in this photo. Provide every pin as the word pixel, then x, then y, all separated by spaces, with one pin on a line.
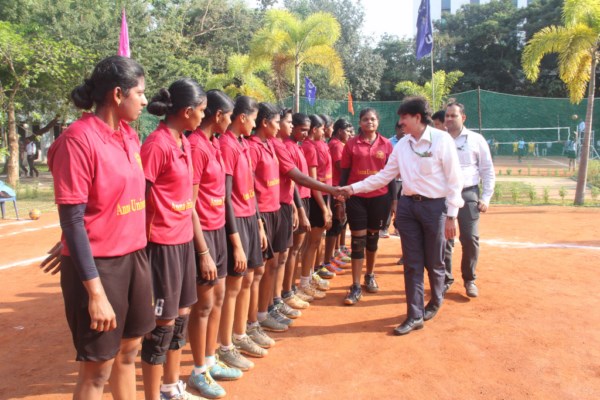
pixel 491 242
pixel 23 262
pixel 555 162
pixel 19 222
pixel 530 245
pixel 28 230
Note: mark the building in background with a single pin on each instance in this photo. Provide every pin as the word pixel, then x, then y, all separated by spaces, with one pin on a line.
pixel 440 7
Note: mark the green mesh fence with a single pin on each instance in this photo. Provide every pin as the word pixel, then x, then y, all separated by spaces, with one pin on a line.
pixel 387 111
pixel 546 122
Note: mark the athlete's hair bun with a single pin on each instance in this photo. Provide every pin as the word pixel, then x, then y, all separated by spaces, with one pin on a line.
pixel 82 95
pixel 161 103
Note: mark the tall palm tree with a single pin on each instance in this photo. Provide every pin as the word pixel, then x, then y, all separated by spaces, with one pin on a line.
pixel 576 43
pixel 443 84
pixel 288 42
pixel 241 79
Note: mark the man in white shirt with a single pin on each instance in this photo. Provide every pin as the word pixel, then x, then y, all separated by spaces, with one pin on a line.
pixel 31 150
pixel 431 196
pixel 477 166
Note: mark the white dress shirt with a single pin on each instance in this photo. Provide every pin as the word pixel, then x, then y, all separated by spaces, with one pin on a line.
pixel 435 175
pixel 30 148
pixel 476 162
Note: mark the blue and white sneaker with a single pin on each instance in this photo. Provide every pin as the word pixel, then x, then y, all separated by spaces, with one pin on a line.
pixel 221 372
pixel 206 385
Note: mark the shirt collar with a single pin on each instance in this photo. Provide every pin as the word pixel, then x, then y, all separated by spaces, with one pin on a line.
pixel 104 132
pixel 240 141
pixel 360 138
pixel 426 136
pixel 164 131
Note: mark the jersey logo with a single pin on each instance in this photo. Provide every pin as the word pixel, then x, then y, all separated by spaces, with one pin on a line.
pixel 138 159
pixel 380 154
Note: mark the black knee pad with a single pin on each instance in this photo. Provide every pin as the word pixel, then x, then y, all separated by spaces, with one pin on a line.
pixel 156 344
pixel 372 240
pixel 179 331
pixel 358 245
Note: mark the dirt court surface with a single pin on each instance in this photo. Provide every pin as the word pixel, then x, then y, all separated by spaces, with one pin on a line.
pixel 534 332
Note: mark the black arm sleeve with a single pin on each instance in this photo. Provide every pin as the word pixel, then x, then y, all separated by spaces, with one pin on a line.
pixel 230 224
pixel 392 188
pixel 78 242
pixel 344 174
pixel 297 199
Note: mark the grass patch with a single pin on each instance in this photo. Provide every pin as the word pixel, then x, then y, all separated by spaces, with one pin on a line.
pixel 34 191
pixel 31 195
pixel 524 194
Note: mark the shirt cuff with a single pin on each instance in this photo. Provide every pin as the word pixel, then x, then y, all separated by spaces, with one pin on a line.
pixel 452 211
pixel 356 187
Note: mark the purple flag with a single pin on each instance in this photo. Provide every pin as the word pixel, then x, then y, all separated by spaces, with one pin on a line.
pixel 310 91
pixel 424 30
pixel 124 38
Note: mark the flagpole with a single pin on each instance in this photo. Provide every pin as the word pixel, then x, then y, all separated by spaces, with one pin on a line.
pixel 432 81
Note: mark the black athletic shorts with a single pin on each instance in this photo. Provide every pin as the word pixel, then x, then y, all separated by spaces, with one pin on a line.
pixel 271 226
pixel 127 281
pixel 283 237
pixel 306 206
pixel 173 277
pixel 248 231
pixel 368 213
pixel 217 245
pixel 316 214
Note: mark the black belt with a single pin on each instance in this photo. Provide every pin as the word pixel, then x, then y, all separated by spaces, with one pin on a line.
pixel 471 188
pixel 418 197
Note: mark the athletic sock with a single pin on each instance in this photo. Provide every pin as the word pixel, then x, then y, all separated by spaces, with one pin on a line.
pixel 262 316
pixel 239 337
pixel 277 300
pixel 227 348
pixel 170 389
pixel 210 361
pixel 199 369
pixel 304 281
pixel 253 324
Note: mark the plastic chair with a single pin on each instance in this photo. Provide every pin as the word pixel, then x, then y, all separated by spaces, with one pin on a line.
pixel 8 194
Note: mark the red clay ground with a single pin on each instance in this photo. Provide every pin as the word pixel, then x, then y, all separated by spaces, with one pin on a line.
pixel 532 334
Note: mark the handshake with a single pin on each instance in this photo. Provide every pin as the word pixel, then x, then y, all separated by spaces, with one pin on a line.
pixel 341 193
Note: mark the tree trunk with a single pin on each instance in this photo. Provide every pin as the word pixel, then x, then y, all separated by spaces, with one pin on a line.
pixel 12 169
pixel 297 96
pixel 585 148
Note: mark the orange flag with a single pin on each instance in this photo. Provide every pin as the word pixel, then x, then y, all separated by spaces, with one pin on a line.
pixel 350 105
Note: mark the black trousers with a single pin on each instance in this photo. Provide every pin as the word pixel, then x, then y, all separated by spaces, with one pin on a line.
pixel 421 225
pixel 468 225
pixel 32 168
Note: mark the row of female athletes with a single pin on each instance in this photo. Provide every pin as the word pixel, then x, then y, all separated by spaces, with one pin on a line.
pixel 224 225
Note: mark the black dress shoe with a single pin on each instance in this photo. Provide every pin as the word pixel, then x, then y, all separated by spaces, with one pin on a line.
pixel 445 289
pixel 410 324
pixel 430 311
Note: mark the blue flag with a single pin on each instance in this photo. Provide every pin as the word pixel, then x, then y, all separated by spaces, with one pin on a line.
pixel 310 91
pixel 424 30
